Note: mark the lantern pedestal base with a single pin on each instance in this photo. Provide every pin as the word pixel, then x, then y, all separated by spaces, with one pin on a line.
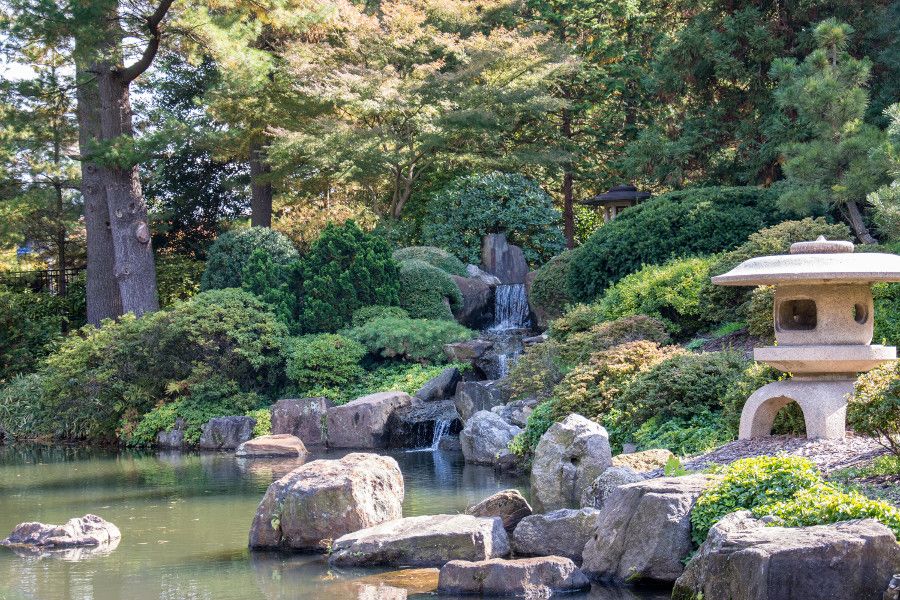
pixel 822 400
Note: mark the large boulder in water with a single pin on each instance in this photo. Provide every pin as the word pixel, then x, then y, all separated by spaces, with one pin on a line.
pixel 568 458
pixel 301 417
pixel 226 433
pixel 325 499
pixel 644 530
pixel 742 559
pixel 477 308
pixel 486 438
pixel 502 259
pixel 542 577
pixel 510 506
pixel 87 531
pixel 173 439
pixel 272 446
pixel 426 541
pixel 562 532
pixel 363 423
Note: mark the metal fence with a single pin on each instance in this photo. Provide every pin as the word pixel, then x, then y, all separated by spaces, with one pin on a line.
pixel 52 281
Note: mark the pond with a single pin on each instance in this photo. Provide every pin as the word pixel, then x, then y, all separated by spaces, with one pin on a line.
pixel 184 519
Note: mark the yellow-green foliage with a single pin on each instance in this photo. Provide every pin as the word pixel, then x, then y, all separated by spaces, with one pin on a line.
pixel 414 340
pixel 823 503
pixel 875 407
pixel 672 293
pixel 590 388
pixel 323 360
pixel 548 290
pixel 751 483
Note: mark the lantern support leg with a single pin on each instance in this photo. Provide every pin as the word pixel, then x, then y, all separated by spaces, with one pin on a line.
pixel 822 400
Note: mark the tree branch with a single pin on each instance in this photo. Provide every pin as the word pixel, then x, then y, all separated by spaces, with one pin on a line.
pixel 131 72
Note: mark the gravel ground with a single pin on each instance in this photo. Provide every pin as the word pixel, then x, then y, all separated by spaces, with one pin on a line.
pixel 828 455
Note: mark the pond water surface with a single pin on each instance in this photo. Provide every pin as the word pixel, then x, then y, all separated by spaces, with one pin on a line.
pixel 184 519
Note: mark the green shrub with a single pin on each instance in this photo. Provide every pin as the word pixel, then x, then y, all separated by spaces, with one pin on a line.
pixel 542 366
pixel 428 292
pixel 400 377
pixel 759 311
pixel 346 269
pixel 887 313
pixel 672 293
pixel 680 387
pixel 539 421
pixel 579 317
pixel 731 303
pixel 367 313
pixel 590 389
pixel 263 418
pixel 213 397
pixel 578 346
pixel 756 375
pixel 822 504
pixel 30 324
pixel 748 484
pixel 548 290
pixel 101 379
pixel 274 284
pixel 323 360
pixel 22 413
pixel 874 409
pixel 694 221
pixel 177 278
pixel 416 340
pixel 436 257
pixel 469 207
pixel 702 432
pixel 228 255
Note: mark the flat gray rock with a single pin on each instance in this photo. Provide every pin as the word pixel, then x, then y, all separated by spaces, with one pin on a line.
pixel 426 541
pixel 562 532
pixel 542 577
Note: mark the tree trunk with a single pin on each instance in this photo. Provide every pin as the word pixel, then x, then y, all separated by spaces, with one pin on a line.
pixel 134 267
pixel 61 258
pixel 858 224
pixel 261 191
pixel 568 207
pixel 102 292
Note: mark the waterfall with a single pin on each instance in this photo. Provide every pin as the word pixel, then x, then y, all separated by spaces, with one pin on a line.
pixel 511 308
pixel 441 427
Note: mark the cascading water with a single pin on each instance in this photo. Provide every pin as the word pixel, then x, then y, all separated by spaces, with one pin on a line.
pixel 441 427
pixel 511 308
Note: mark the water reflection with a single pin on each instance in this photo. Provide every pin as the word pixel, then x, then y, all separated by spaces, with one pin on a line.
pixel 185 517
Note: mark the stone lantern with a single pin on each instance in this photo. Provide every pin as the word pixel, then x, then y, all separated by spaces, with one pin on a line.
pixel 824 319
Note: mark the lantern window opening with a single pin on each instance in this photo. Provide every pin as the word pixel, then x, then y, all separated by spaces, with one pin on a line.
pixel 798 314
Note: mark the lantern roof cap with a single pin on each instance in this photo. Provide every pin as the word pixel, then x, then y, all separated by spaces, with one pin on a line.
pixel 816 262
pixel 617 194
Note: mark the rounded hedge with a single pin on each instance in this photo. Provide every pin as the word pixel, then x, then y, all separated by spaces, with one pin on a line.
pixel 672 292
pixel 548 292
pixel 470 207
pixel 325 360
pixel 428 292
pixel 367 313
pixel 695 221
pixel 345 269
pixel 436 257
pixel 414 340
pixel 228 255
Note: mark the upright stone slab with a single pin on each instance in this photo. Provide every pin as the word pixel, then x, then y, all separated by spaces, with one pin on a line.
pixel 226 433
pixel 568 458
pixel 644 530
pixel 325 499
pixel 441 387
pixel 500 258
pixel 301 417
pixel 477 308
pixel 363 423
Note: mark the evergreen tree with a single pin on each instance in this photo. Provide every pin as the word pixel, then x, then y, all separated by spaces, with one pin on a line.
pixel 829 161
